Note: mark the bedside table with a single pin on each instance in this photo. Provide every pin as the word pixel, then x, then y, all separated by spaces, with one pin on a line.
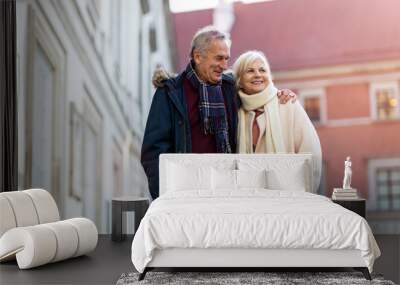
pixel 138 205
pixel 356 205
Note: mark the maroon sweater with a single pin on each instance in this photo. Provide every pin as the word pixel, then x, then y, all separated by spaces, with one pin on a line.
pixel 201 143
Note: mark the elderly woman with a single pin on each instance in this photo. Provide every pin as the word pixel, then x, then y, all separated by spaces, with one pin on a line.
pixel 265 126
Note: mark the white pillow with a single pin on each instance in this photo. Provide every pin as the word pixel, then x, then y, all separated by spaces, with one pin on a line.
pixel 223 179
pixel 226 179
pixel 293 179
pixel 182 177
pixel 281 173
pixel 251 179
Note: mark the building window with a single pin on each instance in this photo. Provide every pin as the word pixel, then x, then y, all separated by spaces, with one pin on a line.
pixel 153 39
pixel 144 4
pixel 386 104
pixel 313 101
pixel 385 101
pixel 44 113
pixel 388 188
pixel 312 105
pixel 384 184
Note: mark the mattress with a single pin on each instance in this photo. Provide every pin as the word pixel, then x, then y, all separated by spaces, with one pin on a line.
pixel 250 219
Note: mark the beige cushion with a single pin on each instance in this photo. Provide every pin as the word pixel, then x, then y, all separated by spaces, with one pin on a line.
pixel 7 220
pixel 37 245
pixel 67 239
pixel 22 207
pixel 46 207
pixel 87 234
pixel 32 246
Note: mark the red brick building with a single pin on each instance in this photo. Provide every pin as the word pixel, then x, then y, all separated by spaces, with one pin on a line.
pixel 343 60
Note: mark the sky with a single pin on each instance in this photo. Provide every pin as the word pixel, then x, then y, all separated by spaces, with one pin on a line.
pixel 178 6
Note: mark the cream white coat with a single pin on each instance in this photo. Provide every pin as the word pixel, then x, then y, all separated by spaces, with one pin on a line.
pixel 298 132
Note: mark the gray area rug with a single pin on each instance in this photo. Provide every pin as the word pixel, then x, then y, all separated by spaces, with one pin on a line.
pixel 228 278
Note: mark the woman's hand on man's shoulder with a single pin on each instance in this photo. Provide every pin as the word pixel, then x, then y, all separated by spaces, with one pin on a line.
pixel 286 95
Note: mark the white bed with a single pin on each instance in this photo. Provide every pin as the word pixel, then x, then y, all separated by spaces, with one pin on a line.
pixel 215 211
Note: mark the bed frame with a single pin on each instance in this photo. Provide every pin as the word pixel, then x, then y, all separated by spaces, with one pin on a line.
pixel 247 259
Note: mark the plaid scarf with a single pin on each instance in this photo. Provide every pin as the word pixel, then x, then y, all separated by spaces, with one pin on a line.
pixel 212 110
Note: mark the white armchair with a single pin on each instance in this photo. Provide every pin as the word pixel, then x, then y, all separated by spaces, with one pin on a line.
pixel 31 230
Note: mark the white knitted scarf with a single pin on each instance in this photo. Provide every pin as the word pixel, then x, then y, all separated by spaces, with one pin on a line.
pixel 268 100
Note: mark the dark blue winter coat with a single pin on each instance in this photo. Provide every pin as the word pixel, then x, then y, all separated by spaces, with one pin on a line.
pixel 168 127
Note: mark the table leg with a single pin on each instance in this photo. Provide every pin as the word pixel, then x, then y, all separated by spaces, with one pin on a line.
pixel 116 234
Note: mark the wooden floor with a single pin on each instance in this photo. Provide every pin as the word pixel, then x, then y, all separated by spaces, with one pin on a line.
pixel 389 262
pixel 103 266
pixel 111 259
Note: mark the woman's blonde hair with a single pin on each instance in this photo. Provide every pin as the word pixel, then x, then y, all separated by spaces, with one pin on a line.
pixel 243 62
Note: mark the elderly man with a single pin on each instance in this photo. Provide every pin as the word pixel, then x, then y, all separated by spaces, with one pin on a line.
pixel 196 111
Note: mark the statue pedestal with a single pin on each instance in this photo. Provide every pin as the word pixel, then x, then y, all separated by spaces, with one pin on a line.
pixel 350 190
pixel 344 194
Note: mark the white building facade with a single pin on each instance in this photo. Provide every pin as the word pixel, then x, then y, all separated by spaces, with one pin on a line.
pixel 84 89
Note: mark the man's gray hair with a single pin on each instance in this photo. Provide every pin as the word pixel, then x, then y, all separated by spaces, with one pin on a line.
pixel 204 37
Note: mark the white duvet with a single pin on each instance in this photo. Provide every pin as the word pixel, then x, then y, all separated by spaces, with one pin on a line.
pixel 250 218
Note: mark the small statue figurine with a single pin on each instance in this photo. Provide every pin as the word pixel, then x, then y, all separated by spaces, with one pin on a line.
pixel 347 174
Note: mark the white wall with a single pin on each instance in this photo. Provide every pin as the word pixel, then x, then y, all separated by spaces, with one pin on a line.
pixel 100 77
